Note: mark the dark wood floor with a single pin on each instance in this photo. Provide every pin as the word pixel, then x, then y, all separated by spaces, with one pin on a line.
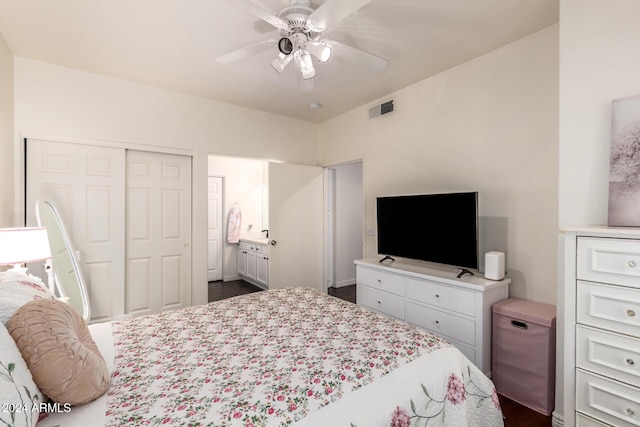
pixel 222 290
pixel 515 414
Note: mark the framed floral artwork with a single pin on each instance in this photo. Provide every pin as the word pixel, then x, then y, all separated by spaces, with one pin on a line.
pixel 624 164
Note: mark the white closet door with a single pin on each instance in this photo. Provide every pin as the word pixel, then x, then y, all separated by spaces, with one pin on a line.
pixel 295 226
pixel 214 233
pixel 158 232
pixel 87 185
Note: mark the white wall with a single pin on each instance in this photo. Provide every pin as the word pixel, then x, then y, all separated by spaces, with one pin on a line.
pixel 599 62
pixel 7 219
pixel 244 184
pixel 488 125
pixel 348 222
pixel 60 101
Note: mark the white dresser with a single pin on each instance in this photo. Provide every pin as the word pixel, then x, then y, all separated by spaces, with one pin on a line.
pixel 602 327
pixel 432 297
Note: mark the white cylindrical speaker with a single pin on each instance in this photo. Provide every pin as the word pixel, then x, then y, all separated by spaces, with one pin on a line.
pixel 494 265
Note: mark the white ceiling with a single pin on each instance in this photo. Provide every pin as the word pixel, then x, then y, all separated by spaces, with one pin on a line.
pixel 174 44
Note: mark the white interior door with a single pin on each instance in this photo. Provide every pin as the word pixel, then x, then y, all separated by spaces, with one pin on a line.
pixel 214 232
pixel 86 184
pixel 158 232
pixel 295 226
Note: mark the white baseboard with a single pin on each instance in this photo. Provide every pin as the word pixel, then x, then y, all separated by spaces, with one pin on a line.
pixel 230 278
pixel 343 283
pixel 557 420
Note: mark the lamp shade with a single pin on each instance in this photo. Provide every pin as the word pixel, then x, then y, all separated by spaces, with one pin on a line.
pixel 281 61
pixel 320 50
pixel 303 62
pixel 22 245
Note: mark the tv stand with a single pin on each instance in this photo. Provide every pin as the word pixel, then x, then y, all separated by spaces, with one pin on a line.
pixel 432 297
pixel 386 257
pixel 464 271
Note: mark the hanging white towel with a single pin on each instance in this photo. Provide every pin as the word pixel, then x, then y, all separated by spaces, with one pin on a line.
pixel 235 224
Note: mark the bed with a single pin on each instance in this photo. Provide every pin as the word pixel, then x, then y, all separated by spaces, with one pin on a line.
pixel 286 357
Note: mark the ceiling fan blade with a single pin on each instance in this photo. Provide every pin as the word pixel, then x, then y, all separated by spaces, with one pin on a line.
pixel 357 57
pixel 332 11
pixel 245 52
pixel 259 12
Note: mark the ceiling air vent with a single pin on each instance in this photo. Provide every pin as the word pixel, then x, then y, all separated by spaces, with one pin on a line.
pixel 381 110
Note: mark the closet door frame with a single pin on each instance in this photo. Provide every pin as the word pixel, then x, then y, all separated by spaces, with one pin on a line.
pixel 20 179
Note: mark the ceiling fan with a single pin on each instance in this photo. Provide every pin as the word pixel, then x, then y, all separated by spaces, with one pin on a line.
pixel 300 28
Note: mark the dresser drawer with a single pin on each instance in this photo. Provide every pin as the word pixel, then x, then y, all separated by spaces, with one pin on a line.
pixel 615 261
pixel 443 296
pixel 609 307
pixel 469 352
pixel 610 401
pixel 442 323
pixel 584 421
pixel 381 301
pixel 616 356
pixel 384 281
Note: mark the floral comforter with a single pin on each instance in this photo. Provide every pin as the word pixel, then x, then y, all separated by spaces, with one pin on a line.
pixel 290 357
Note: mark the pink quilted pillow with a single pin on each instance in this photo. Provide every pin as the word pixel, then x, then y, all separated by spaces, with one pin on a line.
pixel 63 359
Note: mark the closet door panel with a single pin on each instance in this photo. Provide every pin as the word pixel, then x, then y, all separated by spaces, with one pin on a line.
pixel 86 183
pixel 139 225
pixel 159 229
pixel 138 289
pixel 98 223
pixel 171 272
pixel 99 275
pixel 171 209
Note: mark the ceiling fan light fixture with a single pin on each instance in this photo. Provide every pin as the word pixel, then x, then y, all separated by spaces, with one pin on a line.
pixel 304 64
pixel 280 62
pixel 285 46
pixel 320 50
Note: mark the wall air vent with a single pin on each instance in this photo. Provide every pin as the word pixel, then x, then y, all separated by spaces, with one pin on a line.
pixel 381 110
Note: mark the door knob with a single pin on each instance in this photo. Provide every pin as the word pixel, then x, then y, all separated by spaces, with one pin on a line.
pixel 273 243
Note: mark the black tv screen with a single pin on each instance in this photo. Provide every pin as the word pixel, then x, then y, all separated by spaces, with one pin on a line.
pixel 440 228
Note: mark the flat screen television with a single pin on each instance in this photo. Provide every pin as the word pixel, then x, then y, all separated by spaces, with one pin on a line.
pixel 441 228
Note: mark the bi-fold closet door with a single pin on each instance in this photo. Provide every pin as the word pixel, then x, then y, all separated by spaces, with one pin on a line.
pixel 128 214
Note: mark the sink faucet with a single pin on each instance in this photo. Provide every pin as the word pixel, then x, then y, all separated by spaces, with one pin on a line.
pixel 266 231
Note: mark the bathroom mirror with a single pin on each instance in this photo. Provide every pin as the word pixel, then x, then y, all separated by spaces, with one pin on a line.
pixel 67 274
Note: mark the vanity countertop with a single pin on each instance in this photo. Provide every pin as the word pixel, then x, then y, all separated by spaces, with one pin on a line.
pixel 255 240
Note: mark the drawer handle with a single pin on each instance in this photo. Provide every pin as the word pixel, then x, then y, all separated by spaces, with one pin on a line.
pixel 632 264
pixel 630 412
pixel 379 303
pixel 437 322
pixel 631 313
pixel 630 362
pixel 437 296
